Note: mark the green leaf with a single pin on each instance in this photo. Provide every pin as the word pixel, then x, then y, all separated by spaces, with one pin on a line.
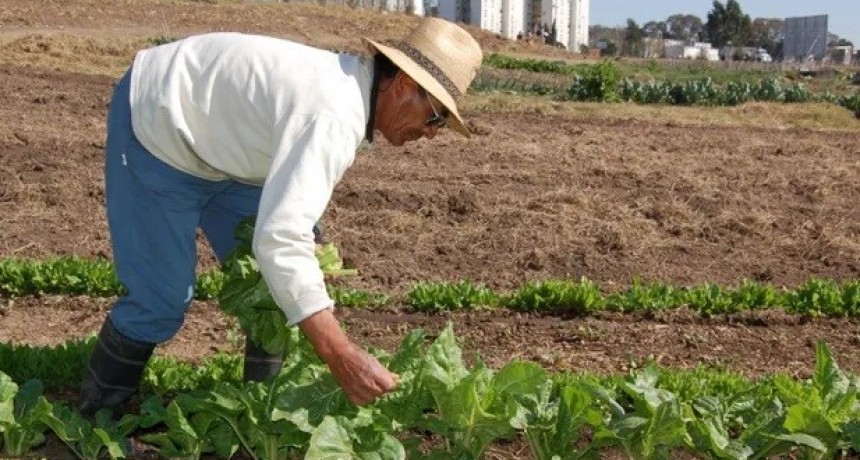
pixel 801 419
pixel 443 366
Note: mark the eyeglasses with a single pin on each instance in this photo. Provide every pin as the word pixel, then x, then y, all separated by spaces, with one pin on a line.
pixel 438 120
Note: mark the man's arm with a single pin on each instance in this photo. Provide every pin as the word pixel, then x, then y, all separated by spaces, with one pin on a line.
pixel 309 161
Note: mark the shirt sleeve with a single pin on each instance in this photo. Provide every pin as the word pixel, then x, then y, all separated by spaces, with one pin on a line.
pixel 308 162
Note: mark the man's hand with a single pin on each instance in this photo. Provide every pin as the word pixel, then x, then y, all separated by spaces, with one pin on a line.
pixel 361 376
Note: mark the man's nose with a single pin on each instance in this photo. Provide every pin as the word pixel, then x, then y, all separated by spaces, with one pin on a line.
pixel 430 131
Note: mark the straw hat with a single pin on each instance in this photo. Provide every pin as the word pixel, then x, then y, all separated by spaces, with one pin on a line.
pixel 442 58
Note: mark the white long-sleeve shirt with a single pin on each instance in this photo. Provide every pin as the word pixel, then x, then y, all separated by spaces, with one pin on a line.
pixel 262 111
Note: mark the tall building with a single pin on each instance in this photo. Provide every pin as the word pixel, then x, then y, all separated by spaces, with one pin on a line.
pixel 564 21
pixel 555 17
pixel 579 11
pixel 487 14
pixel 513 18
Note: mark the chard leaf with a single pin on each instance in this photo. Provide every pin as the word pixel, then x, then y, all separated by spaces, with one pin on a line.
pixel 827 378
pixel 319 397
pixel 852 434
pixel 801 419
pixel 473 415
pixel 711 437
pixel 519 378
pixel 443 365
pixel 798 439
pixel 332 440
pixel 644 392
pixel 8 390
pixel 26 429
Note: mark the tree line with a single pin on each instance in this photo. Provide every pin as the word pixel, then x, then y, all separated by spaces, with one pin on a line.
pixel 726 24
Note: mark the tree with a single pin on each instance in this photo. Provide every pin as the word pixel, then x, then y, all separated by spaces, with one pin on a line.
pixel 768 34
pixel 686 27
pixel 728 24
pixel 655 29
pixel 610 50
pixel 633 37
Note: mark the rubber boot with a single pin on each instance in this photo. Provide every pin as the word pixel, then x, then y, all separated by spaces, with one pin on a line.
pixel 114 372
pixel 259 365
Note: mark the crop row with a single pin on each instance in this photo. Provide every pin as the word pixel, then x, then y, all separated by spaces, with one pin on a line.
pixel 645 414
pixel 816 297
pixel 604 83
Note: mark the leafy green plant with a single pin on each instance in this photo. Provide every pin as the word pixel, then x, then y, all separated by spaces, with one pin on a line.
pixel 816 297
pixel 189 436
pixel 91 440
pixel 597 83
pixel 709 299
pixel 246 295
pixel 56 367
pixel 445 296
pixel 557 296
pixel 640 297
pixel 21 413
pixel 754 296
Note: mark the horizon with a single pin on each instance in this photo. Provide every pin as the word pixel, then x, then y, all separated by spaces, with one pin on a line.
pixel 842 14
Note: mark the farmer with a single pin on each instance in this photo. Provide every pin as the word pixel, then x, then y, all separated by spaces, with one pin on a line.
pixel 209 130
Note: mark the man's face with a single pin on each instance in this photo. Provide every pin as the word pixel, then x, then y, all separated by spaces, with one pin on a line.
pixel 405 112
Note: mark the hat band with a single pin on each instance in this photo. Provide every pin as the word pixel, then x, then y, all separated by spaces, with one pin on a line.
pixel 430 67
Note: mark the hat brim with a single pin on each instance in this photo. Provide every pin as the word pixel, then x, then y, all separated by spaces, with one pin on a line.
pixel 425 80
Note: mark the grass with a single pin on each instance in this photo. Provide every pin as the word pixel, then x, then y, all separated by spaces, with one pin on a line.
pixel 820 116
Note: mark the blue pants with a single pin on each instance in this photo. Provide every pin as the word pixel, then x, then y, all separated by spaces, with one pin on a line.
pixel 153 212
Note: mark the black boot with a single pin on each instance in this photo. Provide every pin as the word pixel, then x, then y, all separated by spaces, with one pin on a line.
pixel 259 365
pixel 114 371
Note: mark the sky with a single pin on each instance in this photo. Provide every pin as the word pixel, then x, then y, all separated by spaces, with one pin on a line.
pixel 844 15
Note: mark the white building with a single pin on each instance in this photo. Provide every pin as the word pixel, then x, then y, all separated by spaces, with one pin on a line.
pixel 579 11
pixel 487 14
pixel 513 18
pixel 509 18
pixel 414 6
pixel 556 14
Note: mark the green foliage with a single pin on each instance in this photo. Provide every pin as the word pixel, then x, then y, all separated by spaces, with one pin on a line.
pixel 21 413
pixel 639 297
pixel 646 414
pixel 557 297
pixel 817 297
pixel 246 295
pixel 243 290
pixel 345 297
pixel 599 83
pixel 651 83
pixel 65 275
pixel 90 440
pixel 709 299
pixel 534 65
pixel 57 367
pixel 77 276
pixel 445 296
pixel 727 24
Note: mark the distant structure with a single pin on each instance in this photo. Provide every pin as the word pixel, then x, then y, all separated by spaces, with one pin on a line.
pixel 561 22
pixel 579 11
pixel 805 37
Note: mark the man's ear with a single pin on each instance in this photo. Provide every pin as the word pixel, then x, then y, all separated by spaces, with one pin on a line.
pixel 403 83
